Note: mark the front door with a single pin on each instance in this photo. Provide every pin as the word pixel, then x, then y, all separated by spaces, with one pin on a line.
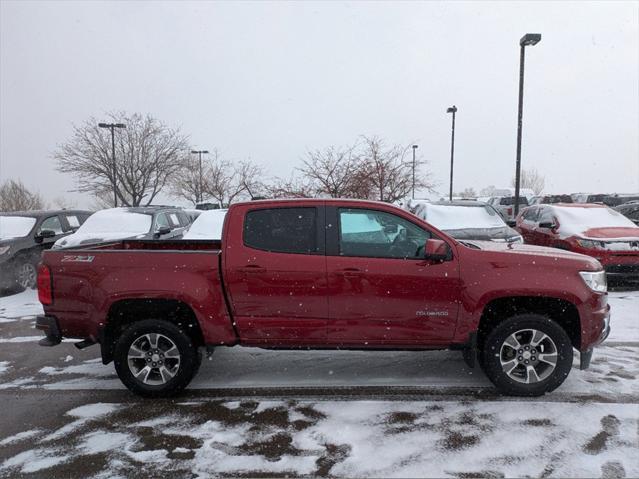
pixel 381 290
pixel 276 275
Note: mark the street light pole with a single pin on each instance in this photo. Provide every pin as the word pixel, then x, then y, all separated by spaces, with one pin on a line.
pixel 199 152
pixel 414 148
pixel 453 110
pixel 112 127
pixel 529 39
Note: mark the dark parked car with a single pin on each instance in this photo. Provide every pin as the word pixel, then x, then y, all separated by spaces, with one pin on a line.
pixel 141 222
pixel 630 211
pixel 23 236
pixel 467 220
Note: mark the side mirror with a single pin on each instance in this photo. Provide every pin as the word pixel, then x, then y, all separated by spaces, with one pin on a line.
pixel 44 234
pixel 162 230
pixel 436 250
pixel 548 225
pixel 511 223
pixel 390 229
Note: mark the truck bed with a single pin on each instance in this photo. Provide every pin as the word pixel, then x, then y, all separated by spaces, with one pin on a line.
pixel 90 283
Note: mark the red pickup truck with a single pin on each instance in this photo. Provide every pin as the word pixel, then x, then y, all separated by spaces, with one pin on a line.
pixel 319 274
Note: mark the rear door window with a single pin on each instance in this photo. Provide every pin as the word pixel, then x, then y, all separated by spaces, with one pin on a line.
pixel 73 221
pixel 282 230
pixel 174 220
pixel 184 218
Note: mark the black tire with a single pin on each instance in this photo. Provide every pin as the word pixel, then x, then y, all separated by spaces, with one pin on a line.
pixel 183 372
pixel 495 350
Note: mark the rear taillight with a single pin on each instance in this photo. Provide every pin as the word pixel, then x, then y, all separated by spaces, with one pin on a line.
pixel 45 293
pixel 509 211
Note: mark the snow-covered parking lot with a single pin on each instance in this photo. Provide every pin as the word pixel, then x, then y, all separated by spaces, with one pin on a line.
pixel 251 412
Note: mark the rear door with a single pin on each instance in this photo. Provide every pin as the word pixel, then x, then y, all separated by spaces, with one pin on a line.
pixel 275 271
pixel 381 290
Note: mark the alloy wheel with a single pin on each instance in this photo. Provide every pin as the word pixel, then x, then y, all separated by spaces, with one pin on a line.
pixel 153 359
pixel 528 356
pixel 26 275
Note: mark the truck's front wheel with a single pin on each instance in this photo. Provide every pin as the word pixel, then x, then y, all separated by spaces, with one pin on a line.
pixel 527 355
pixel 155 358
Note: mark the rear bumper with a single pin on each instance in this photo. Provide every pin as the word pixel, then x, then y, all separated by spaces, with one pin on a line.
pixel 49 325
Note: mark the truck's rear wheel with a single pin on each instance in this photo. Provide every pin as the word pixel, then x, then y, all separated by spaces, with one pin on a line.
pixel 155 358
pixel 527 355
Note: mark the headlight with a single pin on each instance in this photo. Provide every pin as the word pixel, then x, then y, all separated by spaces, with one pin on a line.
pixel 4 249
pixel 595 280
pixel 590 244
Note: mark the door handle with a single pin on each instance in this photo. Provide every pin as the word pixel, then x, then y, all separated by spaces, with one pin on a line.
pixel 253 269
pixel 350 272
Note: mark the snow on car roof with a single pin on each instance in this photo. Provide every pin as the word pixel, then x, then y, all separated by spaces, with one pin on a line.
pixel 576 218
pixel 207 226
pixel 455 216
pixel 116 220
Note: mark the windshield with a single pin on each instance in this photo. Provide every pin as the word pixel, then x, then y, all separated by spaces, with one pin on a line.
pixel 450 217
pixel 117 220
pixel 15 226
pixel 575 220
pixel 207 226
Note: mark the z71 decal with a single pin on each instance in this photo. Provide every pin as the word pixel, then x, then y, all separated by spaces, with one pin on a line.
pixel 77 259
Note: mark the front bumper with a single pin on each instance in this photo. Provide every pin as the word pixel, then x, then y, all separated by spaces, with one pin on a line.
pixel 49 325
pixel 586 356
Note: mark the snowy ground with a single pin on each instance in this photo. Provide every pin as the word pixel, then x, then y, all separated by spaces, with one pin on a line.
pixel 251 412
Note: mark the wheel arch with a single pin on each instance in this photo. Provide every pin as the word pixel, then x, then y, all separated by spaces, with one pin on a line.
pixel 562 311
pixel 125 312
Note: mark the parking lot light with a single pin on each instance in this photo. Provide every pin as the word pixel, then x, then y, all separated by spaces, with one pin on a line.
pixel 529 39
pixel 414 148
pixel 112 127
pixel 200 152
pixel 453 110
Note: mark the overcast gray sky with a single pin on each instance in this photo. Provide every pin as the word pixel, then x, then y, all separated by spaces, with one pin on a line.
pixel 270 80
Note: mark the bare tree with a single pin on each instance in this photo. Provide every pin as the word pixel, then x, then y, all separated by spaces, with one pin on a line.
pixel 63 202
pixel 250 178
pixel 333 172
pixel 531 179
pixel 14 196
pixel 488 191
pixel 185 183
pixel 389 174
pixel 294 187
pixel 148 153
pixel 468 193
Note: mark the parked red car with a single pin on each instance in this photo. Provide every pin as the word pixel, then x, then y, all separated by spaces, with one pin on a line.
pixel 341 274
pixel 591 229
